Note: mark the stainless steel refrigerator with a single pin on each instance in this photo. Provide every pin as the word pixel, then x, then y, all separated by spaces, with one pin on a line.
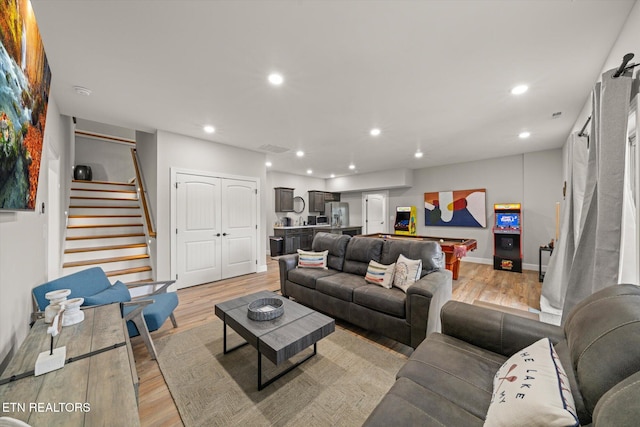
pixel 338 213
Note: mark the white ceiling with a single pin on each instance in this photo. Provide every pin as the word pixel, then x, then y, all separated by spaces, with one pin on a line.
pixel 432 75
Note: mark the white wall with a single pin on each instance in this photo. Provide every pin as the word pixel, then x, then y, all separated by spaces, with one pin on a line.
pixel 185 152
pixel 23 243
pixel 109 161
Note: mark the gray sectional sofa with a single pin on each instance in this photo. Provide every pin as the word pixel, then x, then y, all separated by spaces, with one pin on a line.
pixel 448 380
pixel 342 292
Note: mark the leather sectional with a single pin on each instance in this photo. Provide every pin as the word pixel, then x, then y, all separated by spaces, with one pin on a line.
pixel 342 292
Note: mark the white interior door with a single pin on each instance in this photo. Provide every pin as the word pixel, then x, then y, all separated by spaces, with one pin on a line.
pixel 239 227
pixel 198 229
pixel 375 213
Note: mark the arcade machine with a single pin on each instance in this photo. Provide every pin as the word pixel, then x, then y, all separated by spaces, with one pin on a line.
pixel 406 219
pixel 507 237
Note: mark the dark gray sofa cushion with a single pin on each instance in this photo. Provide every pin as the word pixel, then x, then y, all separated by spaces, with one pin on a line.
pixel 418 406
pixel 307 276
pixel 390 301
pixel 336 244
pixel 361 250
pixel 340 285
pixel 456 370
pixel 429 252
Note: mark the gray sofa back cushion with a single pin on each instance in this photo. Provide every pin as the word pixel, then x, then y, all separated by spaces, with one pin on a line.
pixel 599 330
pixel 429 252
pixel 361 250
pixel 336 244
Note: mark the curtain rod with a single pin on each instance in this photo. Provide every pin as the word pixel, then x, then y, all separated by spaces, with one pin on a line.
pixel 623 67
pixel 581 133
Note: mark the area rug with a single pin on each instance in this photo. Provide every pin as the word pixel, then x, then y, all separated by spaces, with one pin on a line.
pixel 339 386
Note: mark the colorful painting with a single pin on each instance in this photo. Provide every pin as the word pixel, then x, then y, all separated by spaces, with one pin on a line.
pixel 462 208
pixel 24 94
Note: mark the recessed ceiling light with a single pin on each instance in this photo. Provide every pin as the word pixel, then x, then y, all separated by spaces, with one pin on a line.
pixel 352 166
pixel 268 164
pixel 82 90
pixel 523 135
pixel 276 79
pixel 519 90
pixel 418 154
pixel 299 153
pixel 374 132
pixel 209 129
pixel 333 175
pixel 309 171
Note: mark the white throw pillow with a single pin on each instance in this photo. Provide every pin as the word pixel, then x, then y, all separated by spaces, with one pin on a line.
pixel 380 274
pixel 308 259
pixel 407 272
pixel 532 389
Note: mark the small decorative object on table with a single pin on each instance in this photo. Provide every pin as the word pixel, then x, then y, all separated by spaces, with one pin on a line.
pixel 73 313
pixel 55 299
pixel 265 309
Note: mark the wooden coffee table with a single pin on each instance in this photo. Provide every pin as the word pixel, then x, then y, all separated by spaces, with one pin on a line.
pixel 278 339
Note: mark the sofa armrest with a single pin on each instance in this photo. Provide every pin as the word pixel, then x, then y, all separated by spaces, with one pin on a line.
pixel 425 298
pixel 493 330
pixel 286 263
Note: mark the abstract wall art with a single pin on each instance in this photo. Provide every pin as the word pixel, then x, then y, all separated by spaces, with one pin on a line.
pixel 461 208
pixel 24 94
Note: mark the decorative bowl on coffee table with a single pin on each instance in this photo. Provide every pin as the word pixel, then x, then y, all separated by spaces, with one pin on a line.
pixel 265 309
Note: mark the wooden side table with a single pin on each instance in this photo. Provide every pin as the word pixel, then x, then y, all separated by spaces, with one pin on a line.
pixel 97 385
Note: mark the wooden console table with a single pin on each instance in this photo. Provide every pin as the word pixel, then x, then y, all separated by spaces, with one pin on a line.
pixel 97 386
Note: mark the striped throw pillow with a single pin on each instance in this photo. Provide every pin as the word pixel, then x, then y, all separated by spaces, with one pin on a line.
pixel 308 259
pixel 380 274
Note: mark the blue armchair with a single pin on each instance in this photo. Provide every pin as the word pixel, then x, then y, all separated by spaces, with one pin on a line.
pixel 143 314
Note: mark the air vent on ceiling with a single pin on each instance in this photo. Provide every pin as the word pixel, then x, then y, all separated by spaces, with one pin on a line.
pixel 273 148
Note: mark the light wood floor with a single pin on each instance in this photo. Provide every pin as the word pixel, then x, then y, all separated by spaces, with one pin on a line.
pixel 477 282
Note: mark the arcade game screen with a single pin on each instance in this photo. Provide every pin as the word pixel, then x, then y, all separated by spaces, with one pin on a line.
pixel 508 220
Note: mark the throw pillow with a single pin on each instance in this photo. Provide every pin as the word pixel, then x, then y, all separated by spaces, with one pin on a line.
pixel 380 274
pixel 308 259
pixel 407 272
pixel 532 389
pixel 118 292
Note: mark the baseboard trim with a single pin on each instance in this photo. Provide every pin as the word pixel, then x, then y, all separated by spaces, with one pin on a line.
pixel 488 261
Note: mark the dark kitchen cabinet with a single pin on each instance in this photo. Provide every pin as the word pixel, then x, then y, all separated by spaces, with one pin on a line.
pixel 295 238
pixel 316 201
pixel 284 199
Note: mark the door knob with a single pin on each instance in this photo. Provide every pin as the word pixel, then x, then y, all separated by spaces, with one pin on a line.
pixel 218 235
pixel 225 234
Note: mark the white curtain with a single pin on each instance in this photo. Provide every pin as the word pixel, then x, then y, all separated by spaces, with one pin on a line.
pixel 556 278
pixel 588 255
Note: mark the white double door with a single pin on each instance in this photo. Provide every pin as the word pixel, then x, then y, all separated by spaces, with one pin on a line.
pixel 216 228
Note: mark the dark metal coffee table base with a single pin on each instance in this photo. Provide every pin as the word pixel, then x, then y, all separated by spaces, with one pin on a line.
pixel 262 385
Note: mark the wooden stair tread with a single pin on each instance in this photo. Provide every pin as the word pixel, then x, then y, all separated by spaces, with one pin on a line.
pixel 105 248
pixel 103 225
pixel 104 260
pixel 106 216
pixel 137 282
pixel 102 207
pixel 120 199
pixel 127 271
pixel 106 236
pixel 103 190
pixel 128 184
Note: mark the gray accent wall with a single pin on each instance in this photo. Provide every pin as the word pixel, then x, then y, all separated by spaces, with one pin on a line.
pixel 115 159
pixel 533 179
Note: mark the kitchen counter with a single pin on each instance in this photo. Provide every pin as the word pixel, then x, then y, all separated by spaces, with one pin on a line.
pixel 301 236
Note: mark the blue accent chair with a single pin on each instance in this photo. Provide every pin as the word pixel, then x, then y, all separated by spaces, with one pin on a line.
pixel 143 314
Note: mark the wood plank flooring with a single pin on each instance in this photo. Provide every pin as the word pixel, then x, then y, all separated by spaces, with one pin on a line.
pixel 476 282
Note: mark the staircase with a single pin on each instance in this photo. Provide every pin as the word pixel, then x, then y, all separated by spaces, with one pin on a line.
pixel 105 229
